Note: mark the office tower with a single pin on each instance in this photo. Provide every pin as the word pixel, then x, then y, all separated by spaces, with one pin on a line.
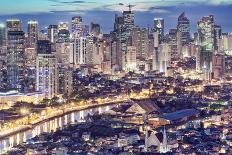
pixel 218 66
pixel 118 22
pixel 217 37
pixel 105 54
pixel 164 57
pixel 2 34
pixel 184 27
pixel 46 75
pixel 131 59
pixel 206 40
pixel 3 68
pixel 77 26
pixel 63 36
pixel 15 58
pixel 44 47
pixel 226 42
pixel 136 40
pixel 13 25
pixel 65 81
pixel 30 57
pixel 32 33
pixel 63 26
pixel 86 30
pixel 144 43
pixel 80 48
pixel 159 27
pixel 65 54
pixel 116 56
pixel 53 33
pixel 196 38
pixel 95 29
pixel 128 20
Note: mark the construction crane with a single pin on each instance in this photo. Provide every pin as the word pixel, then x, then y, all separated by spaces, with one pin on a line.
pixel 129 6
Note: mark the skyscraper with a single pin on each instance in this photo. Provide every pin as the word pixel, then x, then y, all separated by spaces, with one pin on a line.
pixel 14 25
pixel 217 36
pixel 63 34
pixel 15 59
pixel 44 47
pixel 2 34
pixel 95 29
pixel 184 27
pixel 80 47
pixel 128 19
pixel 32 33
pixel 46 78
pixel 77 26
pixel 118 22
pixel 53 33
pixel 206 40
pixel 159 27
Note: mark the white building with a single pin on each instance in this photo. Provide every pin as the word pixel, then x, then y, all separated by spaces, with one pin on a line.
pixel 164 57
pixel 46 79
pixel 80 48
pixel 131 58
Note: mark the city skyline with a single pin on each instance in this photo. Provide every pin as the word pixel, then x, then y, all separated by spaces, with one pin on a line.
pixel 53 11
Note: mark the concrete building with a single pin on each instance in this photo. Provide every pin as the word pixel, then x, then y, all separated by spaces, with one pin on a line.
pixel 46 78
pixel 32 31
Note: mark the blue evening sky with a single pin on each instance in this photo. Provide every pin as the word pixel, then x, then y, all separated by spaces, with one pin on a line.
pixel 102 11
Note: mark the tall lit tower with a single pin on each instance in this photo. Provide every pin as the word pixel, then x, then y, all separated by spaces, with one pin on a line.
pixel 2 34
pixel 128 18
pixel 159 27
pixel 77 26
pixel 206 40
pixel 53 33
pixel 184 28
pixel 32 33
pixel 14 25
pixel 217 37
pixel 46 78
pixel 15 54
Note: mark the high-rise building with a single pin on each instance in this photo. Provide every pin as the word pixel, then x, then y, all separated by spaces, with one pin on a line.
pixel 14 25
pixel 80 48
pixel 95 29
pixel 77 26
pixel 184 27
pixel 218 66
pixel 63 26
pixel 63 36
pixel 44 47
pixel 65 81
pixel 46 75
pixel 15 59
pixel 3 68
pixel 226 42
pixel 128 19
pixel 206 40
pixel 217 37
pixel 65 54
pixel 159 27
pixel 118 22
pixel 164 57
pixel 53 33
pixel 32 33
pixel 2 34
pixel 131 58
